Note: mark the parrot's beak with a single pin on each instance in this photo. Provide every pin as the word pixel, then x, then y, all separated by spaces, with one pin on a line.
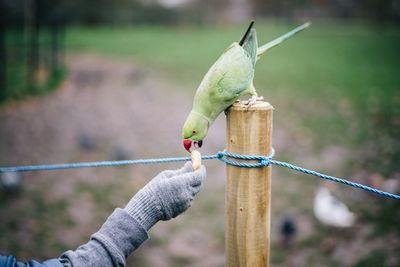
pixel 187 144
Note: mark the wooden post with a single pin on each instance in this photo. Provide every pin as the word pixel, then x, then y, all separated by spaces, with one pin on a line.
pixel 248 192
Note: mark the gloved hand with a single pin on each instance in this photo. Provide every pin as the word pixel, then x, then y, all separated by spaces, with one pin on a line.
pixel 166 196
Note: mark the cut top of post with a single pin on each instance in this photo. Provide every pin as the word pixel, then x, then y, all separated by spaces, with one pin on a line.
pixel 258 105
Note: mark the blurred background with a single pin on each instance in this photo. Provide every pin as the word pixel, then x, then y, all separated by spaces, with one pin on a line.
pixel 113 80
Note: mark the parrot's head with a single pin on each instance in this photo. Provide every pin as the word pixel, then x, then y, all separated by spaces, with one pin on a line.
pixel 194 130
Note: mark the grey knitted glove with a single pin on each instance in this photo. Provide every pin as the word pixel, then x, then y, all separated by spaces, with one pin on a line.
pixel 166 196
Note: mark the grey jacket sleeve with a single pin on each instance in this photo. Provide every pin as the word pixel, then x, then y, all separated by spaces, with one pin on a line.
pixel 119 236
pixel 11 261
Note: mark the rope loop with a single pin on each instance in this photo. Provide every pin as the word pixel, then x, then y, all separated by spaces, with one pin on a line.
pixel 263 161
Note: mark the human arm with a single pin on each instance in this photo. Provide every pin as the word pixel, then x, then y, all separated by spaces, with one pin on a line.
pixel 166 196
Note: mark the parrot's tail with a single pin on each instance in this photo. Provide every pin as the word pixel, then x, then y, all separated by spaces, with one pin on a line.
pixel 262 49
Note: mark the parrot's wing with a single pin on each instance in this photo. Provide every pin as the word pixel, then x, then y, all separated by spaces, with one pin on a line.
pixel 225 81
pixel 249 42
pixel 231 74
pixel 250 46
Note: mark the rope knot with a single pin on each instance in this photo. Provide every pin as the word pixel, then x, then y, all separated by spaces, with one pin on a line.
pixel 220 154
pixel 265 161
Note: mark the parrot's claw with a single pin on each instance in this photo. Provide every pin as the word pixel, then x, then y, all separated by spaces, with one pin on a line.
pixel 252 100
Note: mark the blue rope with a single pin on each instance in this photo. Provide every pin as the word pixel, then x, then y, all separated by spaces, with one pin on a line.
pixel 46 167
pixel 335 179
pixel 226 157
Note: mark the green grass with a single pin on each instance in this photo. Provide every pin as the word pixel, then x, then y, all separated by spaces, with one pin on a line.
pixel 344 58
pixel 376 258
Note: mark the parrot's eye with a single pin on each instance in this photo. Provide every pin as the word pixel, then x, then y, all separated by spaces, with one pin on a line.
pixel 194 132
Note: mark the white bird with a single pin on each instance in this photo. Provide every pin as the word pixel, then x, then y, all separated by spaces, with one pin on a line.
pixel 10 181
pixel 331 211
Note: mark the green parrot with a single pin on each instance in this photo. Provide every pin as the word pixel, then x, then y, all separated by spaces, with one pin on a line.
pixel 229 78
